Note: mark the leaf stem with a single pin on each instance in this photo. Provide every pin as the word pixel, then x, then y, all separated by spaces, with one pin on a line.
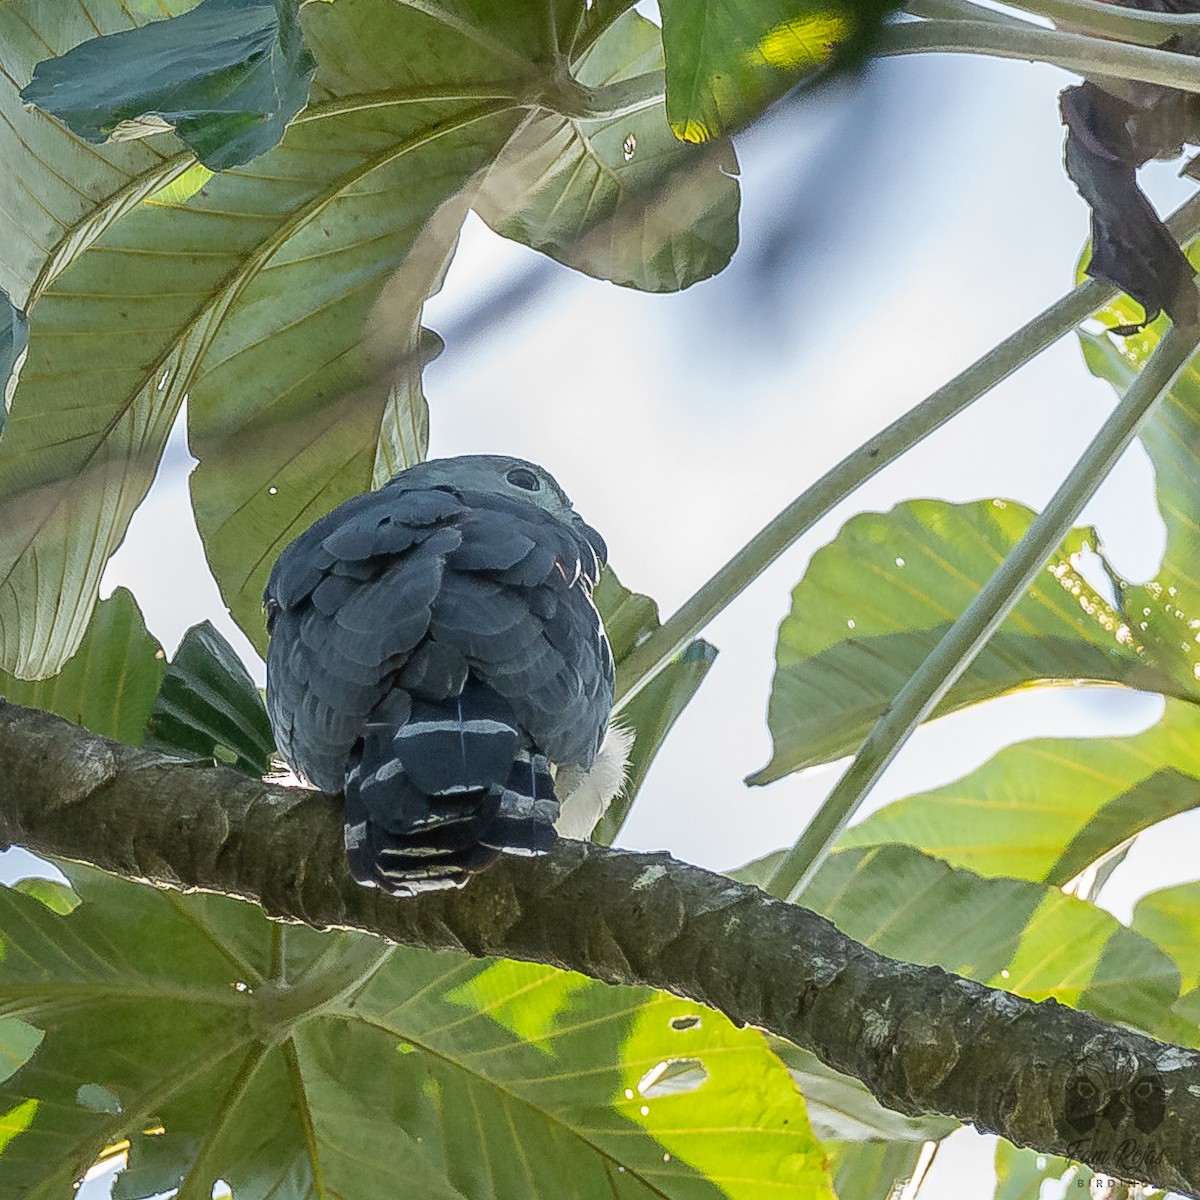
pixel 864 463
pixel 280 1006
pixel 960 10
pixel 1097 16
pixel 1078 52
pixel 1088 16
pixel 570 98
pixel 957 649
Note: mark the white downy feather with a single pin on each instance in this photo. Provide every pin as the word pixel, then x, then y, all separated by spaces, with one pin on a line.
pixel 586 795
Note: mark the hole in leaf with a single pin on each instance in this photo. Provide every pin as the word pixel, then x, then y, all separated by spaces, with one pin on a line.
pixel 98 1098
pixel 112 1159
pixel 681 1023
pixel 672 1077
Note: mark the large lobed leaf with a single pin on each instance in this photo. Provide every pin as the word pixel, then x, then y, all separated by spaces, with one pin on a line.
pixel 1047 809
pixel 1050 808
pixel 617 197
pixel 109 685
pixel 248 293
pixel 876 601
pixel 842 1110
pixel 294 1064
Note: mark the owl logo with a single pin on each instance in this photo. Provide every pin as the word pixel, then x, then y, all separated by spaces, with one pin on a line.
pixel 1111 1094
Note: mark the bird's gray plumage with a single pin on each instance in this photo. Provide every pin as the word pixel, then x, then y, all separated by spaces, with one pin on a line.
pixel 434 648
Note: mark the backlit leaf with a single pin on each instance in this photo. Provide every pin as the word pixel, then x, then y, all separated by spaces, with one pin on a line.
pixel 1046 809
pixel 292 1065
pixel 875 602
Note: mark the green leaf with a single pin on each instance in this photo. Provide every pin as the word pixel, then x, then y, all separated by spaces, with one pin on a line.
pixel 871 1170
pixel 110 683
pixel 841 1109
pixel 14 341
pixel 1020 1173
pixel 404 430
pixel 183 187
pixel 630 618
pixel 401 347
pixel 271 271
pixel 1049 808
pixel 651 714
pixel 617 197
pixel 293 1064
pixel 257 294
pixel 209 708
pixel 758 870
pixel 57 897
pixel 98 1098
pixel 59 194
pixel 1185 1029
pixel 227 76
pixel 1170 918
pixel 728 59
pixel 875 602
pixel 18 1041
pixel 1028 938
pixel 1170 434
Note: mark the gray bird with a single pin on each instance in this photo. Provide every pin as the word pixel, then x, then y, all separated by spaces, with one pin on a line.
pixel 435 654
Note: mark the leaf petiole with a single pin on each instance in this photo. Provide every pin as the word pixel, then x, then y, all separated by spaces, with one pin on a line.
pixel 945 664
pixel 1091 57
pixel 864 463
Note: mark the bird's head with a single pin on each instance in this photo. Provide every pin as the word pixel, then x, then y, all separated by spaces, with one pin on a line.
pixel 501 475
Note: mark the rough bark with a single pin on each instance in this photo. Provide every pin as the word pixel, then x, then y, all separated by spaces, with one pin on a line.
pixel 922 1040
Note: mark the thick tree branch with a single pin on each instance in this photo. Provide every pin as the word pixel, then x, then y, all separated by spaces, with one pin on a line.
pixel 922 1040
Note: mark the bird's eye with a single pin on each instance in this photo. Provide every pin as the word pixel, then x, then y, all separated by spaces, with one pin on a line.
pixel 522 478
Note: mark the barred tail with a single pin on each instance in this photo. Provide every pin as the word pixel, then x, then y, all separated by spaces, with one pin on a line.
pixel 433 800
